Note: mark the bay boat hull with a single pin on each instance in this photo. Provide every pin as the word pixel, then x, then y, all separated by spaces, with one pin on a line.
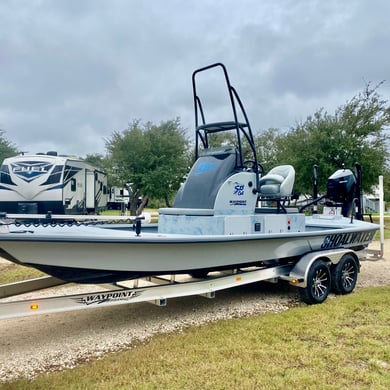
pixel 86 254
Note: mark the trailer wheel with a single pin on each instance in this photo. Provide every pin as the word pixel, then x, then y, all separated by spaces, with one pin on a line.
pixel 344 275
pixel 318 283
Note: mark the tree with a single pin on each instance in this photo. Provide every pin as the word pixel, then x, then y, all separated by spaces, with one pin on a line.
pixel 149 160
pixel 102 162
pixel 267 148
pixel 7 149
pixel 97 160
pixel 355 133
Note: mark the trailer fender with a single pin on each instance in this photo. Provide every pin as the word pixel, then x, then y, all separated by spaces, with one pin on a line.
pixel 299 273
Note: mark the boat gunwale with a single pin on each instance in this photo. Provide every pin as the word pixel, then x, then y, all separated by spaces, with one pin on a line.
pixel 174 238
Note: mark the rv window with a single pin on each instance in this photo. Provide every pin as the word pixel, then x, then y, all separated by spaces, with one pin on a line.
pixel 73 185
pixel 5 177
pixel 55 176
pixel 69 172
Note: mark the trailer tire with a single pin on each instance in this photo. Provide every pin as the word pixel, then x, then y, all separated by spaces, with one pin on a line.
pixel 344 275
pixel 318 283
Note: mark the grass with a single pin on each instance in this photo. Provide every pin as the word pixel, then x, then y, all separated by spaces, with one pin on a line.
pixel 340 344
pixel 14 273
pixel 375 219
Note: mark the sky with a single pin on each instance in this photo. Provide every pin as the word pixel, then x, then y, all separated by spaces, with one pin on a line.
pixel 72 72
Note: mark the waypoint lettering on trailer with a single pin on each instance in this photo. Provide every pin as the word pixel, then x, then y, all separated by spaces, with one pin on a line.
pixel 109 297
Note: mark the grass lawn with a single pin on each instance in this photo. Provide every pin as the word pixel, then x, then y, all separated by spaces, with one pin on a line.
pixel 340 344
pixel 375 219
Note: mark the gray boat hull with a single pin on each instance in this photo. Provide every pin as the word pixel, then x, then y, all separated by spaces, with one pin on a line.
pixel 87 254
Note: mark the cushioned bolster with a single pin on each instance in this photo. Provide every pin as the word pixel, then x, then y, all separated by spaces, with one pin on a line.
pixel 272 177
pixel 270 189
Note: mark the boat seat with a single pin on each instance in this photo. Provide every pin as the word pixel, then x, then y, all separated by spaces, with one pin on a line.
pixel 205 178
pixel 277 183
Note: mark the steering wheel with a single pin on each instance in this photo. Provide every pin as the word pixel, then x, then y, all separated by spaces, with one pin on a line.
pixel 251 164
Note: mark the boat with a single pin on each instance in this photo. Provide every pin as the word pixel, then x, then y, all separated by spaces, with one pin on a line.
pixel 228 214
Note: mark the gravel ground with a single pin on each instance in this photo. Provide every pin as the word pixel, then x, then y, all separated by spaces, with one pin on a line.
pixel 42 343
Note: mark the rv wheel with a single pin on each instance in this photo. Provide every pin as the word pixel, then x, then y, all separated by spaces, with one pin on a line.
pixel 318 283
pixel 344 275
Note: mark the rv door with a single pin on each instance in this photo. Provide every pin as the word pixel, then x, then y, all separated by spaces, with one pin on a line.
pixel 90 190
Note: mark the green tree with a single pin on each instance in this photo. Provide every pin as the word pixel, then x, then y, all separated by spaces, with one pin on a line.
pixel 149 160
pixel 97 160
pixel 267 148
pixel 100 161
pixel 7 149
pixel 355 133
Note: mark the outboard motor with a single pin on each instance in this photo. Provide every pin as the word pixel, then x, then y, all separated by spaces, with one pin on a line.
pixel 341 190
pixel 344 190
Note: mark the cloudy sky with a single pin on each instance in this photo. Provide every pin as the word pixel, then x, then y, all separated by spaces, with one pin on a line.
pixel 74 71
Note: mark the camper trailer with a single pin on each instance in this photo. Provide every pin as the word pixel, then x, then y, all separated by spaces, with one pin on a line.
pixel 118 198
pixel 42 183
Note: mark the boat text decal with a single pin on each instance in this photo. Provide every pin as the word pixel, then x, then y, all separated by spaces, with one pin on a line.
pixel 97 299
pixel 238 189
pixel 237 202
pixel 342 239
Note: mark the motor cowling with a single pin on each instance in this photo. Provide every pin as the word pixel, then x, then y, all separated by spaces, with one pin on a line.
pixel 341 188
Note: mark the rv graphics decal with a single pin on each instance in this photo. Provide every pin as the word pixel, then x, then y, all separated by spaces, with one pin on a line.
pixel 30 170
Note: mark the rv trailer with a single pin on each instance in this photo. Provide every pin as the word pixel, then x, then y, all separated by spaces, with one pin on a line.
pixel 118 198
pixel 42 183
